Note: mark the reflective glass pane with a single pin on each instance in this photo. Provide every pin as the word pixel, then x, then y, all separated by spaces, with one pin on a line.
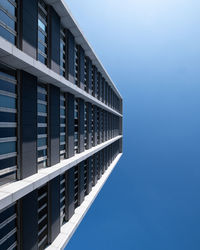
pixel 42 119
pixel 42 48
pixel 7 117
pixel 41 142
pixel 7 147
pixel 6 163
pixel 42 108
pixel 7 35
pixel 41 37
pixel 62 111
pixel 62 102
pixel 62 129
pixel 41 25
pixel 42 131
pixel 7 132
pixel 7 102
pixel 7 72
pixel 7 86
pixel 41 96
pixel 7 20
pixel 62 138
pixel 42 153
pixel 62 120
pixel 8 6
pixel 41 58
pixel 62 147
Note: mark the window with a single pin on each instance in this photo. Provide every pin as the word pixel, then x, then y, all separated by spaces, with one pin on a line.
pixel 62 199
pixel 101 124
pixel 42 126
pixel 98 127
pixel 62 126
pixel 8 227
pixel 76 186
pixel 76 126
pixel 42 217
pixel 62 52
pixel 8 124
pixel 92 125
pixel 77 65
pixel 93 80
pixel 8 20
pixel 85 125
pixel 85 75
pixel 42 32
pixel 85 177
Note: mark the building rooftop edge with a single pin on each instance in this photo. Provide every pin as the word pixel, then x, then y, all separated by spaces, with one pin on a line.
pixel 69 22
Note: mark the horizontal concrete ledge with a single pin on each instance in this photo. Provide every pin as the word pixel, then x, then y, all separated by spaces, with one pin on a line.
pixel 16 58
pixel 68 229
pixel 10 193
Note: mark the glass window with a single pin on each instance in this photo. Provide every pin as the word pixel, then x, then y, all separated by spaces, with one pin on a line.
pixel 7 101
pixel 42 29
pixel 41 142
pixel 42 48
pixel 42 108
pixel 8 115
pixel 7 35
pixel 62 52
pixel 8 229
pixel 7 86
pixel 41 25
pixel 42 59
pixel 42 126
pixel 8 6
pixel 8 20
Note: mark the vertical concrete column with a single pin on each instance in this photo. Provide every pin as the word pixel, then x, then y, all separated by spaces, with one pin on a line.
pixel 81 183
pixel 28 15
pixel 53 209
pixel 27 120
pixel 70 57
pixel 89 125
pixel 28 207
pixel 70 125
pixel 81 125
pixel 53 125
pixel 81 67
pixel 54 40
pixel 69 206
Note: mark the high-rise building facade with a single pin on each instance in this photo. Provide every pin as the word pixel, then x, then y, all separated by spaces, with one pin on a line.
pixel 60 125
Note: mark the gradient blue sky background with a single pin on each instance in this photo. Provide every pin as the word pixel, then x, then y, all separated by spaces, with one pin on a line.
pixel 151 49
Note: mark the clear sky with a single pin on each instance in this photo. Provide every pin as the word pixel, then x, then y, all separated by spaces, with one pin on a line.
pixel 151 49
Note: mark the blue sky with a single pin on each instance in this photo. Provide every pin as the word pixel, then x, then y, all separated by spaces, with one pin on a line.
pixel 151 49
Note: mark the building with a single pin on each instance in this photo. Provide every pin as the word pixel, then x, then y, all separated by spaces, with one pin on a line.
pixel 60 125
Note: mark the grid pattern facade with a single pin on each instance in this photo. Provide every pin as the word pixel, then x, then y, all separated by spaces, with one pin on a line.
pixel 50 125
